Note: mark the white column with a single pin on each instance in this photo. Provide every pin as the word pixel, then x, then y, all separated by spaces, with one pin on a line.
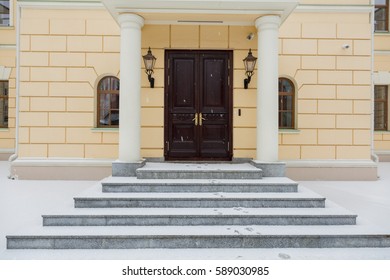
pixel 267 88
pixel 130 88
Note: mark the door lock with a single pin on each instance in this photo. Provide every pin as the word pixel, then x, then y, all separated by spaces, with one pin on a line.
pixel 196 119
pixel 201 119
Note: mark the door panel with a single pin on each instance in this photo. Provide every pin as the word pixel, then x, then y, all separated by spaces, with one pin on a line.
pixel 198 105
pixel 183 81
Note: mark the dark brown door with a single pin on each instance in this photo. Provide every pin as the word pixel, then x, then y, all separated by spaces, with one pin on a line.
pixel 198 105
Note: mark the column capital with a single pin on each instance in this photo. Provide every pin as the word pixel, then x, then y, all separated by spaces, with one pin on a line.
pixel 268 22
pixel 129 20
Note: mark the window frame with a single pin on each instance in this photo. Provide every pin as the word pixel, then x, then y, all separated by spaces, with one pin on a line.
pixel 386 7
pixel 293 110
pixel 386 106
pixel 5 97
pixel 99 93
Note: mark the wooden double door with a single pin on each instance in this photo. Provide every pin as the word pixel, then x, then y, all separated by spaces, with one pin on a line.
pixel 198 105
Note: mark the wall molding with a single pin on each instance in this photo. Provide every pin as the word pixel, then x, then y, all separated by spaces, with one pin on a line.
pixel 334 9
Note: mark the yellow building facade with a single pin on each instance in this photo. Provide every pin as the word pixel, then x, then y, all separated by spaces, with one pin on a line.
pixel 54 55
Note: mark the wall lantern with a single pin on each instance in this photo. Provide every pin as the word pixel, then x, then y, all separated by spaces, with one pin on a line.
pixel 149 60
pixel 249 62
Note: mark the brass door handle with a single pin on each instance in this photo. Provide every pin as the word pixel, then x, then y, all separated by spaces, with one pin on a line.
pixel 196 119
pixel 201 119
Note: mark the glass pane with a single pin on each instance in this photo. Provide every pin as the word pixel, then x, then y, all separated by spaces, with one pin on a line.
pixel 380 2
pixel 114 118
pixel 380 14
pixel 380 92
pixel 4 12
pixel 108 91
pixel 104 109
pixel 114 101
pixel 3 88
pixel 3 112
pixel 380 19
pixel 285 85
pixel 380 115
pixel 285 103
pixel 285 120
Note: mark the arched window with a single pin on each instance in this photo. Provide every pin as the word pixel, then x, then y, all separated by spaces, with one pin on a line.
pixel 286 103
pixel 108 102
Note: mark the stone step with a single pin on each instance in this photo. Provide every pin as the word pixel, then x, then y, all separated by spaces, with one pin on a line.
pixel 132 184
pixel 200 237
pixel 199 216
pixel 201 200
pixel 153 170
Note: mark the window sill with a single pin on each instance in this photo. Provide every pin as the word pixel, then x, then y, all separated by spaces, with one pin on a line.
pixel 105 129
pixel 382 33
pixel 4 129
pixel 382 132
pixel 289 131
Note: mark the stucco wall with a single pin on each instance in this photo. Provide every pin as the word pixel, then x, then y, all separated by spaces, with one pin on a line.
pixel 65 52
pixel 8 60
pixel 382 69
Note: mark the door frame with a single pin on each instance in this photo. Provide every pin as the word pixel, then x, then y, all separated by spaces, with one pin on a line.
pixel 166 100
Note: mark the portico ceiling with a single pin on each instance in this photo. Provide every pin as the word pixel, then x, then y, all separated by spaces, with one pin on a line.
pixel 225 12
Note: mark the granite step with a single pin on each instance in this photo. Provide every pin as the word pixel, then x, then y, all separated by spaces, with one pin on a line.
pixel 165 170
pixel 201 200
pixel 199 216
pixel 132 184
pixel 200 237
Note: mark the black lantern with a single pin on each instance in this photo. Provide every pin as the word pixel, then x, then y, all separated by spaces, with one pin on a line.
pixel 149 60
pixel 249 62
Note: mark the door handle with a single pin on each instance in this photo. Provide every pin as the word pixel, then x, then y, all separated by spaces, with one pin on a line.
pixel 201 119
pixel 196 119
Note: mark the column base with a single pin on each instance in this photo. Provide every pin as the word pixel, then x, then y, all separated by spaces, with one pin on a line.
pixel 271 169
pixel 126 169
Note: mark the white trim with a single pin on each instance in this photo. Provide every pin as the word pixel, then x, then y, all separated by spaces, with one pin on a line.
pixel 330 163
pixel 334 9
pixel 61 162
pixel 60 5
pixel 382 152
pixel 14 156
pixel 381 78
pixel 175 22
pixel 382 52
pixel 7 47
pixel 289 131
pixel 5 73
pixel 258 8
pixel 7 151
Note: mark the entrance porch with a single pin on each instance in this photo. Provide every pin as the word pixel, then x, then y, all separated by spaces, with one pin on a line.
pixel 131 16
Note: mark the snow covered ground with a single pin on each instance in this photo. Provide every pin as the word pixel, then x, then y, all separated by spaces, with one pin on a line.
pixel 23 202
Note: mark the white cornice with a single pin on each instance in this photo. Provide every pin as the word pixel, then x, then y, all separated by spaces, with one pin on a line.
pixel 173 10
pixel 334 9
pixel 60 5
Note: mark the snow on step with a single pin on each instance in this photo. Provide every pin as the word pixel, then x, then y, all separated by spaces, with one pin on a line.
pixel 133 184
pixel 200 237
pixel 200 216
pixel 198 171
pixel 96 199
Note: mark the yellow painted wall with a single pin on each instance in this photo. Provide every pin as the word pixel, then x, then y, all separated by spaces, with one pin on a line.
pixel 64 53
pixel 8 60
pixel 333 98
pixel 382 65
